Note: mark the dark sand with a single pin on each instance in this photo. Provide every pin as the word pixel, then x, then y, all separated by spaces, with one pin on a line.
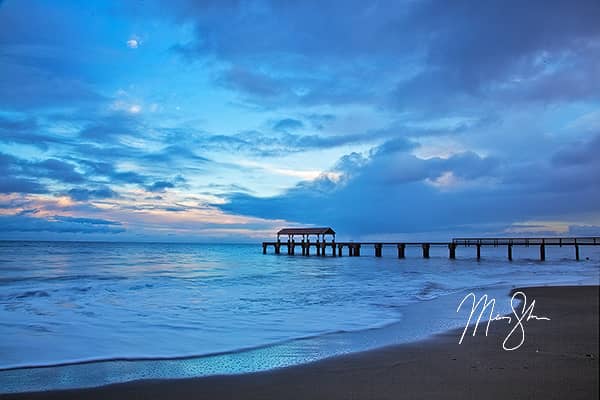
pixel 559 360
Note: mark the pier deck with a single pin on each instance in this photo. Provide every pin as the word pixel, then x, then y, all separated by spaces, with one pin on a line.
pixel 353 248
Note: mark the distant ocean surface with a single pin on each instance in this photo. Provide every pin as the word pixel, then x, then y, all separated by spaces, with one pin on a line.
pixel 63 302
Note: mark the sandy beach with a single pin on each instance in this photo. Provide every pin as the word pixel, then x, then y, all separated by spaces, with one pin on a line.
pixel 559 359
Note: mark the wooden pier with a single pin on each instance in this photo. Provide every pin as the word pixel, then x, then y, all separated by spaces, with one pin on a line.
pixel 322 247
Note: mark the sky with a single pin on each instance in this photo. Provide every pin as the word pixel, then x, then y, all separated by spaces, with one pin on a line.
pixel 146 120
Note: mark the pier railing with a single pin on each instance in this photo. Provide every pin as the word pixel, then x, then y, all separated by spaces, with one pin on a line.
pixel 559 241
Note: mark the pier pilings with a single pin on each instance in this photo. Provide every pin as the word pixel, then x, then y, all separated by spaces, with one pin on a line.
pixel 425 247
pixel 378 249
pixel 451 251
pixel 337 248
pixel 401 250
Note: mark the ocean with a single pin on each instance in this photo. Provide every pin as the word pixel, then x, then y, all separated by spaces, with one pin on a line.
pixel 94 313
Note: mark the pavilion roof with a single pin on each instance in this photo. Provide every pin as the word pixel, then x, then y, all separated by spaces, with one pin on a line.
pixel 306 231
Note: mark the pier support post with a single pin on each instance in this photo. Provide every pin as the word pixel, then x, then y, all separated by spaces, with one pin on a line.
pixel 401 250
pixel 478 251
pixel 333 248
pixel 289 248
pixel 278 247
pixel 293 247
pixel 378 247
pixel 452 251
pixel 264 248
pixel 357 250
pixel 425 250
pixel 318 248
pixel 323 249
pixel 542 252
pixel 350 248
pixel 510 252
pixel 340 247
pixel 307 248
pixel 577 252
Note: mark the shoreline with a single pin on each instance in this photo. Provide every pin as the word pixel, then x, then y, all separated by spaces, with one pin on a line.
pixel 409 308
pixel 557 354
pixel 409 327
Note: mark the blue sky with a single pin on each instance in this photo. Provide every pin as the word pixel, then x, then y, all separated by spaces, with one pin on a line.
pixel 225 120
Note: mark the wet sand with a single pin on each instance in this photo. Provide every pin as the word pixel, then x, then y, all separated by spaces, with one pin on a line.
pixel 559 359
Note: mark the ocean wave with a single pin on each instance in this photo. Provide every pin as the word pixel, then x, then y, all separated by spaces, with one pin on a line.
pixel 31 293
pixel 165 299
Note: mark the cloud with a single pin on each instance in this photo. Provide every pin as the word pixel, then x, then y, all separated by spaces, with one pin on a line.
pixel 109 171
pixel 133 43
pixel 547 54
pixel 580 154
pixel 110 128
pixel 390 191
pixel 20 185
pixel 25 131
pixel 57 224
pixel 420 55
pixel 584 230
pixel 288 124
pixel 416 115
pixel 26 87
pixel 281 142
pixel 162 185
pixel 20 175
pixel 80 220
pixel 54 169
pixel 250 82
pixel 85 194
pixel 397 145
pixel 42 67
